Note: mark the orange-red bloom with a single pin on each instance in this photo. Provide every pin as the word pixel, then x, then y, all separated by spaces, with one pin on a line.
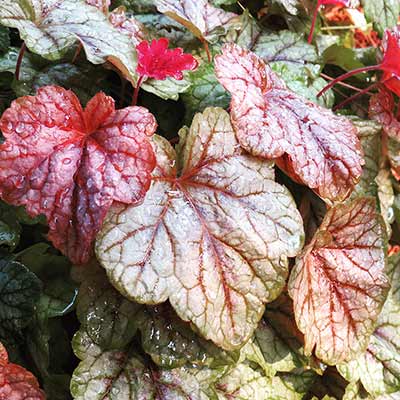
pixel 159 62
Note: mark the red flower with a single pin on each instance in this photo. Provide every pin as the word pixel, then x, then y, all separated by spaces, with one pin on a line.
pixel 156 61
pixel 390 64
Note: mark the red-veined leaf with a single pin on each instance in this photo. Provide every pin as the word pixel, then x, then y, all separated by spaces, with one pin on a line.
pixel 338 284
pixel 70 164
pixel 200 17
pixel 214 240
pixel 313 145
pixel 16 383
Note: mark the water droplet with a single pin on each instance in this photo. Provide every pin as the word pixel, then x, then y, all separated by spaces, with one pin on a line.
pixel 67 161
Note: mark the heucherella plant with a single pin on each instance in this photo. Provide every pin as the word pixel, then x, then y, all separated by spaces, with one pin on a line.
pixel 224 233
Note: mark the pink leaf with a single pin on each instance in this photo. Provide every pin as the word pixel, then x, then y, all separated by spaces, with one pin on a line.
pixel 314 145
pixel 157 61
pixel 338 284
pixel 70 164
pixel 16 382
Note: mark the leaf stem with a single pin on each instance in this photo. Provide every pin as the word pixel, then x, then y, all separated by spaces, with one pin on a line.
pixel 314 20
pixel 207 49
pixel 348 75
pixel 136 92
pixel 344 84
pixel 355 96
pixel 19 60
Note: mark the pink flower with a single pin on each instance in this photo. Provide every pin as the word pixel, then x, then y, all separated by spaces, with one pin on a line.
pixel 157 61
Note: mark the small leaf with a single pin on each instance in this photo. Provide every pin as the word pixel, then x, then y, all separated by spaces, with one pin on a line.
pixel 50 28
pixel 369 133
pixel 204 91
pixel 59 161
pixel 338 284
pixel 200 17
pixel 379 367
pixel 106 317
pixel 4 39
pixel 311 143
pixel 381 109
pixel 124 374
pixel 382 13
pixel 85 81
pixel 226 211
pixel 19 291
pixel 16 382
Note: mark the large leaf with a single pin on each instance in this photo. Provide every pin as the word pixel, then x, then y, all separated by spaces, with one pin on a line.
pixel 19 291
pixel 379 367
pixel 382 13
pixel 338 284
pixel 200 17
pixel 51 27
pixel 70 164
pixel 214 240
pixel 314 145
pixel 16 382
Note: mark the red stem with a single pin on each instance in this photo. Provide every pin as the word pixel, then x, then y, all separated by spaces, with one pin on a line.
pixel 207 49
pixel 348 75
pixel 314 20
pixel 136 92
pixel 77 52
pixel 355 96
pixel 19 61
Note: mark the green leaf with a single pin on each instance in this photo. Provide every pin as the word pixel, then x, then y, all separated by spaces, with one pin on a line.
pixel 136 6
pixel 341 56
pixel 107 318
pixel 204 91
pixel 379 367
pixel 4 39
pixel 125 374
pixel 19 292
pixel 382 13
pixel 369 133
pixel 159 25
pixel 29 66
pixel 10 229
pixel 216 180
pixel 280 341
pixel 84 80
pixel 172 343
pixel 50 28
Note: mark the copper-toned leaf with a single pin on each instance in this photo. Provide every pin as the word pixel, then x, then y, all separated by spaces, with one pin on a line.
pixel 338 284
pixel 313 145
pixel 16 382
pixel 200 17
pixel 70 164
pixel 214 239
